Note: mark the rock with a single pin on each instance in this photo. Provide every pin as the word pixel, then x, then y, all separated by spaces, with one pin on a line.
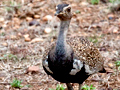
pixel 111 16
pixel 47 30
pixel 26 35
pixel 27 38
pixel 33 69
pixel 1 19
pixel 8 86
pixel 5 44
pixel 29 18
pixel 15 19
pixel 16 27
pixel 115 30
pixel 13 37
pixel 84 3
pixel 34 22
pixel 36 40
pixel 19 34
pixel 47 18
pixel 110 65
pixel 36 16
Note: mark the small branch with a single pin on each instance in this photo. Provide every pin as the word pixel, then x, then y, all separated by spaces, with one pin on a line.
pixel 10 6
pixel 14 6
pixel 4 83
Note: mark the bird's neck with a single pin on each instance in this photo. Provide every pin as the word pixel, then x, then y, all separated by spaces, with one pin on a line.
pixel 61 40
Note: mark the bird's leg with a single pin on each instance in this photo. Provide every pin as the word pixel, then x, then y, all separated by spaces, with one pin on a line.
pixel 80 86
pixel 69 86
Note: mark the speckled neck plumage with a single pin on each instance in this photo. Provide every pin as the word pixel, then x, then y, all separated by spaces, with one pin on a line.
pixel 61 41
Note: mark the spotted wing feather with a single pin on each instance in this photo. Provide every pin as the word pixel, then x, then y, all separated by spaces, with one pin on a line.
pixel 86 52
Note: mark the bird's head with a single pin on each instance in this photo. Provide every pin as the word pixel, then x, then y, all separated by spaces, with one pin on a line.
pixel 63 12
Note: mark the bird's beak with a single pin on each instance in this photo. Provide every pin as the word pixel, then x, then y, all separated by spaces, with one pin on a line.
pixel 56 13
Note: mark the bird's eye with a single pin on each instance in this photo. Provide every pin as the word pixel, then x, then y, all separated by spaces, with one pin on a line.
pixel 68 9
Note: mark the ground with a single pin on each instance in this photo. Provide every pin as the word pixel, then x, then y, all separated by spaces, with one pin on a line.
pixel 28 26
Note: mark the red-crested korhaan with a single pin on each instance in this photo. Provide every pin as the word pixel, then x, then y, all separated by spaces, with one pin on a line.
pixel 71 60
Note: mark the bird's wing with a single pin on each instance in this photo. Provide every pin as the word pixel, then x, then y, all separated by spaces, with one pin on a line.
pixel 86 52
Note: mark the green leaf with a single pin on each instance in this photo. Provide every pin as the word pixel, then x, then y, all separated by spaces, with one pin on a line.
pixel 117 63
pixel 94 1
pixel 59 87
pixel 16 83
pixel 77 11
pixel 85 87
pixel 1 58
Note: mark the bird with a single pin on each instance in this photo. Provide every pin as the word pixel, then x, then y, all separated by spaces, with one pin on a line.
pixel 71 59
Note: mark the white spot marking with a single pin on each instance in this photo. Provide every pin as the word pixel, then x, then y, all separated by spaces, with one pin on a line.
pixel 45 64
pixel 77 65
pixel 56 7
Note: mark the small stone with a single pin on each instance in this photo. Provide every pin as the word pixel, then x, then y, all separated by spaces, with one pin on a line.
pixel 47 18
pixel 34 22
pixel 36 40
pixel 30 4
pixel 27 39
pixel 110 65
pixel 111 16
pixel 1 19
pixel 115 30
pixel 36 16
pixel 84 3
pixel 7 86
pixel 13 37
pixel 29 18
pixel 33 69
pixel 16 27
pixel 5 44
pixel 26 35
pixel 47 30
pixel 19 34
pixel 15 19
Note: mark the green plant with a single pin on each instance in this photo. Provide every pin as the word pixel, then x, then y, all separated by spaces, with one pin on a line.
pixel 94 1
pixel 9 56
pixel 2 34
pixel 28 85
pixel 113 1
pixel 77 12
pixel 16 83
pixel 93 39
pixel 117 63
pixel 85 87
pixel 59 87
pixel 11 3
